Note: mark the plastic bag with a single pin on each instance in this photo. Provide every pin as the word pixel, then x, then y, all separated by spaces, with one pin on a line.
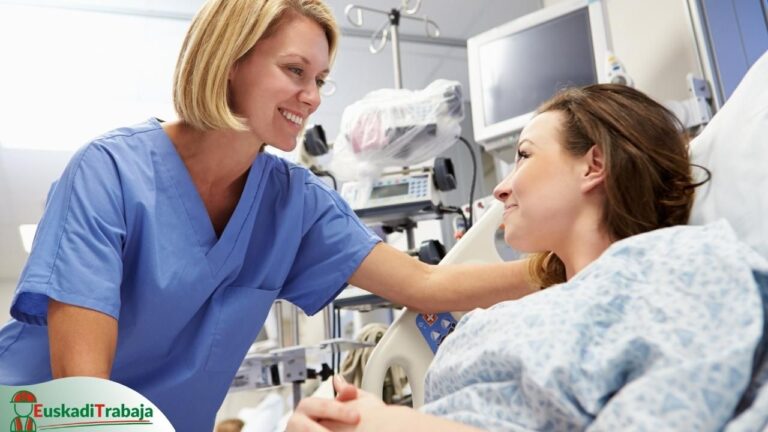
pixel 391 127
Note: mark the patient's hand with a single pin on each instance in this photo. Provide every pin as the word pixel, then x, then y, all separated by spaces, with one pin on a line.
pixel 311 411
pixel 373 415
pixel 344 390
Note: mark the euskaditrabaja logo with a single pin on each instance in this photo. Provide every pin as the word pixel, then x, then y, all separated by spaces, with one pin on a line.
pixel 33 415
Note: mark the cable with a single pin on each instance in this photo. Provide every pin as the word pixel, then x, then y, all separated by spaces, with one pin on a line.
pixel 453 209
pixel 472 188
pixel 321 173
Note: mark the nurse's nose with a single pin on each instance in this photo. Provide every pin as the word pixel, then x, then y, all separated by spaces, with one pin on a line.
pixel 310 96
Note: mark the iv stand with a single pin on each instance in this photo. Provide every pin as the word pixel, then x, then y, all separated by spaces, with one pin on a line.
pixel 354 14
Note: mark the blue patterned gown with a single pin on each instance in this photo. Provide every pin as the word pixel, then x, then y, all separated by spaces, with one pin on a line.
pixel 660 333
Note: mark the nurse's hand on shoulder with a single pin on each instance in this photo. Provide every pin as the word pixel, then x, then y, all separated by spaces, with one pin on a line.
pixel 311 412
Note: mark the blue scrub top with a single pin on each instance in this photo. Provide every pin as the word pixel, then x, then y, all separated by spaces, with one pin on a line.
pixel 126 233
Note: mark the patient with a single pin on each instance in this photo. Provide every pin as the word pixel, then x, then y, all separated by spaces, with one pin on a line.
pixel 636 324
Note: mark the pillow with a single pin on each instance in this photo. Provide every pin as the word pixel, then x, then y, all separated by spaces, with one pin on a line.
pixel 734 147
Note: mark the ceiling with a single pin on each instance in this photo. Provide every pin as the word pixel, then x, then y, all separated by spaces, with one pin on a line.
pixel 26 175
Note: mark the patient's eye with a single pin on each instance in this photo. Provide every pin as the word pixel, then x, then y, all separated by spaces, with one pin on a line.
pixel 521 154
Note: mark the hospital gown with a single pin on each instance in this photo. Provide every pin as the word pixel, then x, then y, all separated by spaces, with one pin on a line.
pixel 659 333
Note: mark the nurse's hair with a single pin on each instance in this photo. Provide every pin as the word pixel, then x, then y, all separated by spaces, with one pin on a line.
pixel 223 32
pixel 648 183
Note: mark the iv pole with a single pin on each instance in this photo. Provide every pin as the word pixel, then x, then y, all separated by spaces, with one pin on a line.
pixel 354 14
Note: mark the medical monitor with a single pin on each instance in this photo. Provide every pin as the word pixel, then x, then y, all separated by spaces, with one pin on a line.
pixel 515 67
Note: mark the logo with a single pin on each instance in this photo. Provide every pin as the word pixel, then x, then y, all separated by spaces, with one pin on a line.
pixel 23 402
pixel 78 404
pixel 29 411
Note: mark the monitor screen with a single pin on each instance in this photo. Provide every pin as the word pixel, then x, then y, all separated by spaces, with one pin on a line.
pixel 515 67
pixel 523 69
pixel 389 190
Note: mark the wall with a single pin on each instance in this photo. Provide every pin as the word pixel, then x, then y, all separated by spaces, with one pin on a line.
pixel 653 39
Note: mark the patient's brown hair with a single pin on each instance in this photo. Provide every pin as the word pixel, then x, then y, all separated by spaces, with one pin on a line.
pixel 648 182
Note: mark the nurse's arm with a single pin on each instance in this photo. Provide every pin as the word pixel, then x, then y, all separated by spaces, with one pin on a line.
pixel 82 341
pixel 392 274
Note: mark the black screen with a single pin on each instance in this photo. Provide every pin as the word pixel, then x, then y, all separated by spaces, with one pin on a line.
pixel 524 69
pixel 389 190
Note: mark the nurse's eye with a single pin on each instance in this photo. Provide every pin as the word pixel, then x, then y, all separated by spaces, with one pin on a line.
pixel 320 82
pixel 296 70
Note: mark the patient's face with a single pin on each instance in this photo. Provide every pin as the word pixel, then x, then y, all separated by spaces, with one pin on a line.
pixel 541 196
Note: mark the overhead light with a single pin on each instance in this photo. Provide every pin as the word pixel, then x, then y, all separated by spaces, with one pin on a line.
pixel 27 232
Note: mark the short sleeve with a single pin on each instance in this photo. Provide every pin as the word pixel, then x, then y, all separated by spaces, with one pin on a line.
pixel 333 245
pixel 76 256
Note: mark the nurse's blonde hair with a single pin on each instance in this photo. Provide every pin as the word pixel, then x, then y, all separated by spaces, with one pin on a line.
pixel 222 32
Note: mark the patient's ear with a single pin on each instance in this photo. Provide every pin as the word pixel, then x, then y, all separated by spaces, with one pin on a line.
pixel 593 174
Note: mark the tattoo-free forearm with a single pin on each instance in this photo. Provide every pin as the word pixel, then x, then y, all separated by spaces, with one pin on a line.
pixel 82 341
pixel 468 286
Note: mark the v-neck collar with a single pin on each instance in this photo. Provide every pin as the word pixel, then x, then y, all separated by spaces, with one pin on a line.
pixel 216 248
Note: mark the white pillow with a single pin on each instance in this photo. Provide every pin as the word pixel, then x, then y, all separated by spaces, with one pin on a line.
pixel 734 147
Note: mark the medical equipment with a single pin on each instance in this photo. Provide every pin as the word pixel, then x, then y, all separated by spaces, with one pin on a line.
pixel 352 366
pixel 616 72
pixel 398 200
pixel 399 128
pixel 288 365
pixel 390 127
pixel 695 110
pixel 515 67
pixel 692 112
pixel 393 195
pixel 315 148
pixel 405 11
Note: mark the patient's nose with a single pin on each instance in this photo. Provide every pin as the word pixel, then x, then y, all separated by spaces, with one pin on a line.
pixel 500 192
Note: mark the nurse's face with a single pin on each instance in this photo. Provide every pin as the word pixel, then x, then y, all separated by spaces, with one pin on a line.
pixel 541 196
pixel 276 86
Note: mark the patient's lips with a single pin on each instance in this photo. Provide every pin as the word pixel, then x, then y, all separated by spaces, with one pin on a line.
pixel 509 208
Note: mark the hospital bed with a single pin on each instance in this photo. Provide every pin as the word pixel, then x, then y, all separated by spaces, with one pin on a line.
pixel 734 147
pixel 403 344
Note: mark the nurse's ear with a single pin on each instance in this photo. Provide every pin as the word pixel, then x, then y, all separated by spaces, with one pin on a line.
pixel 593 169
pixel 233 70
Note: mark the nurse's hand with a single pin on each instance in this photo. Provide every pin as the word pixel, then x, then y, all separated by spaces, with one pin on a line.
pixel 311 411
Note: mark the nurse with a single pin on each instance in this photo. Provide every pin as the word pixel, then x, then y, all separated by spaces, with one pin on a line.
pixel 163 245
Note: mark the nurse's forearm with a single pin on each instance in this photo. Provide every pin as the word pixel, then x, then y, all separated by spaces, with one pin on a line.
pixel 82 341
pixel 395 276
pixel 467 286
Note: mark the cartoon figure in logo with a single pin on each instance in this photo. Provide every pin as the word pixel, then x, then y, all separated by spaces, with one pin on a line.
pixel 22 405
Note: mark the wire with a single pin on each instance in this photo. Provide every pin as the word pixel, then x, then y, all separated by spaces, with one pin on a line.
pixel 453 209
pixel 472 188
pixel 321 173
